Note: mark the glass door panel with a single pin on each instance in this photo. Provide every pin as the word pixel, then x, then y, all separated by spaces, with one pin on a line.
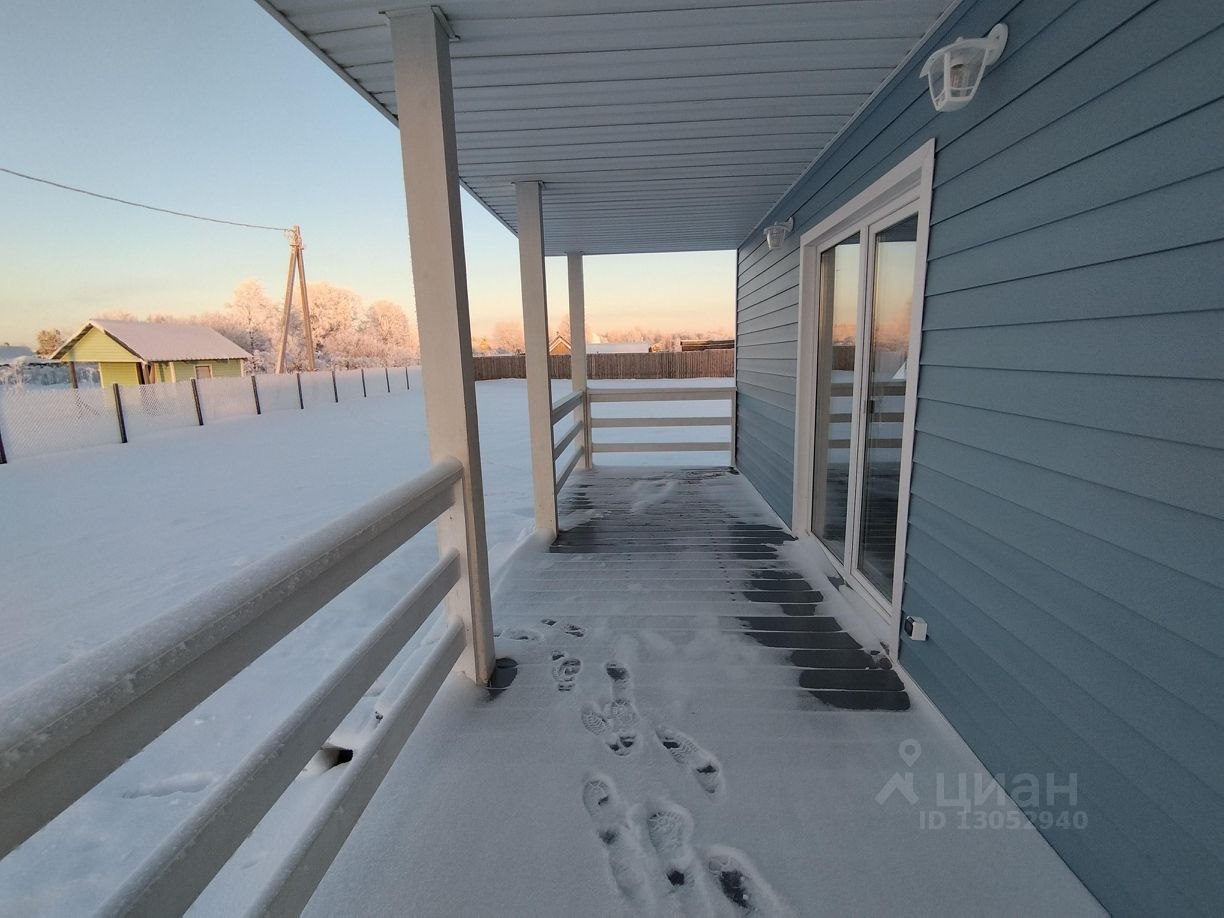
pixel 894 253
pixel 837 329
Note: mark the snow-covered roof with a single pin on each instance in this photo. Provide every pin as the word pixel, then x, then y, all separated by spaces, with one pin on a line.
pixel 10 353
pixel 618 347
pixel 161 341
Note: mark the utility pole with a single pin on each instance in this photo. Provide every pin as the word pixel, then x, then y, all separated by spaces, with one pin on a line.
pixel 297 268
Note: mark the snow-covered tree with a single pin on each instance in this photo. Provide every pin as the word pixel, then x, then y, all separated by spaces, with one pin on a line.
pixel 507 338
pixel 48 341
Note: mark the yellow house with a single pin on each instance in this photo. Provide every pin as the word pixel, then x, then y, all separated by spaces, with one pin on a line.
pixel 135 353
pixel 559 345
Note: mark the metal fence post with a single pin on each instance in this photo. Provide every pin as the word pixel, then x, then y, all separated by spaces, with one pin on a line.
pixel 301 401
pixel 255 392
pixel 388 372
pixel 195 395
pixel 119 413
pixel 364 394
pixel 407 381
pixel 335 390
pixel 3 457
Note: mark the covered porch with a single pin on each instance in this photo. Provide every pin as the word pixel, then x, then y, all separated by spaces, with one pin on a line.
pixel 658 706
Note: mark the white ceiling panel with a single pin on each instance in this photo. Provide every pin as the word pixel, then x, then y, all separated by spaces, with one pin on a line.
pixel 655 125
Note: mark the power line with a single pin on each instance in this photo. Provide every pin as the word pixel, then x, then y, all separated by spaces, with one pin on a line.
pixel 160 210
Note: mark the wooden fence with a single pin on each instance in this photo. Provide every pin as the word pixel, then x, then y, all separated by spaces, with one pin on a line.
pixel 661 365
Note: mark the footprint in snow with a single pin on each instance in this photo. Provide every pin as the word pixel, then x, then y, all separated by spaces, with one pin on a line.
pixel 517 634
pixel 627 858
pixel 684 749
pixel 565 671
pixel 670 877
pixel 742 884
pixel 670 828
pixel 616 722
pixel 571 629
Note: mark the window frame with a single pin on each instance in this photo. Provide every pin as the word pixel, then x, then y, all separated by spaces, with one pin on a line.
pixel 903 191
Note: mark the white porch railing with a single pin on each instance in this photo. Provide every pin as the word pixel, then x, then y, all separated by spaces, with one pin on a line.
pixel 62 734
pixel 561 409
pixel 663 394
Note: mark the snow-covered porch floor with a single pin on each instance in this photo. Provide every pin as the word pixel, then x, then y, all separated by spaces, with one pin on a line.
pixel 685 727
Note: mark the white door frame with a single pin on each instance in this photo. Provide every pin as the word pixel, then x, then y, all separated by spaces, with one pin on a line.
pixel 903 190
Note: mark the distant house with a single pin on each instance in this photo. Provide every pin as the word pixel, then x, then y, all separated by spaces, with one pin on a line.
pixel 559 345
pixel 135 353
pixel 618 347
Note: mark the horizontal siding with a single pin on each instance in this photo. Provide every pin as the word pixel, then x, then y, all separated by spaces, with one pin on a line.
pixel 1067 511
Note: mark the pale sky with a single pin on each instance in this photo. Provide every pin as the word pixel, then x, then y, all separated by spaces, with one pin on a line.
pixel 213 108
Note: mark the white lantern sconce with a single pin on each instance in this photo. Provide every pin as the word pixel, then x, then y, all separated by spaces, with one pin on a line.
pixel 955 71
pixel 776 234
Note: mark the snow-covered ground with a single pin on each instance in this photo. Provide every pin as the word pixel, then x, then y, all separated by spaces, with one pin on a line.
pixel 97 541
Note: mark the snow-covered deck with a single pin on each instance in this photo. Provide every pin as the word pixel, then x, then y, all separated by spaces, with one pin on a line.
pixel 688 722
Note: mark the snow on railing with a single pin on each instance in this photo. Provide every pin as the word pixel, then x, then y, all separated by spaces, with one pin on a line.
pixel 662 394
pixel 61 734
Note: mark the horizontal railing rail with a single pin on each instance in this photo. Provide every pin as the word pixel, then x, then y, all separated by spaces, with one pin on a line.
pixel 562 408
pixel 662 394
pixel 61 734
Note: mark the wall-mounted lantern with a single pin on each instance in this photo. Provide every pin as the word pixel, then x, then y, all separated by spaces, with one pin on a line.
pixel 775 235
pixel 955 71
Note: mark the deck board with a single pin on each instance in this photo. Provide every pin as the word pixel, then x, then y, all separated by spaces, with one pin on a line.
pixel 669 648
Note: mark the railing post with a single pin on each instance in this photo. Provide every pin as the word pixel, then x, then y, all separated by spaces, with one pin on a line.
pixel 119 413
pixel 578 358
pixel 588 455
pixel 195 397
pixel 426 113
pixel 535 342
pixel 301 401
pixel 255 392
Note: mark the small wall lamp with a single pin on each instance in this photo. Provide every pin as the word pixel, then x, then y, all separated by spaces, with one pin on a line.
pixel 775 235
pixel 955 71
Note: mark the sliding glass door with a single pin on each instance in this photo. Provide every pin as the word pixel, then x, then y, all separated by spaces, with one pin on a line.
pixel 865 287
pixel 894 248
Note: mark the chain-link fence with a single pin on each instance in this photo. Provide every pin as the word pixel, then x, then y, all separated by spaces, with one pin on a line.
pixel 378 382
pixel 318 389
pixel 33 422
pixel 278 393
pixel 157 407
pixel 226 397
pixel 349 384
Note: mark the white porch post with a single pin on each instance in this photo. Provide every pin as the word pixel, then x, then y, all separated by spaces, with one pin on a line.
pixel 535 342
pixel 578 366
pixel 431 187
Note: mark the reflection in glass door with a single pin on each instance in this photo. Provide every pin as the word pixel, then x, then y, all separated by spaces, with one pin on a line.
pixel 894 253
pixel 837 324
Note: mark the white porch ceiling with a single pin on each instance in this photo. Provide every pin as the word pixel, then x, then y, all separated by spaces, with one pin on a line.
pixel 656 125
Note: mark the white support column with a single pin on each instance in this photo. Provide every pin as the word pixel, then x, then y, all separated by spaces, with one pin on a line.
pixel 425 103
pixel 535 342
pixel 578 363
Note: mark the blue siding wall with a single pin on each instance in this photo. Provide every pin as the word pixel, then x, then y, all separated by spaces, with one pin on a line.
pixel 1066 538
